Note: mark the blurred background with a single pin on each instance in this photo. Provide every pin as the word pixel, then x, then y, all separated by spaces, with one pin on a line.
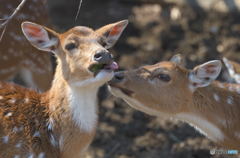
pixel 200 30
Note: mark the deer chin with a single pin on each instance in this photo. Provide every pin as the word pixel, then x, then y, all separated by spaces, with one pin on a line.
pixel 101 74
pixel 101 78
pixel 104 76
pixel 125 91
pixel 117 92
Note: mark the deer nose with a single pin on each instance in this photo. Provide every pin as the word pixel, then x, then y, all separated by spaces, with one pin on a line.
pixel 103 57
pixel 118 77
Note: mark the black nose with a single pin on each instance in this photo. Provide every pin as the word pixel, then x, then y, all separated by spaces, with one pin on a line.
pixel 118 77
pixel 103 57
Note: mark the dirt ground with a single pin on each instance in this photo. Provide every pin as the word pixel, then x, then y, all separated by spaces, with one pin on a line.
pixel 156 31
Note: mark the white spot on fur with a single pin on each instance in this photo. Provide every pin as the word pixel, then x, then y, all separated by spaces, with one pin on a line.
pixel 230 100
pixel 9 114
pixel 50 124
pixel 202 125
pixel 1 97
pixel 61 141
pixel 15 129
pixel 191 87
pixel 5 139
pixel 16 156
pixel 26 100
pixel 216 97
pixel 53 141
pixel 12 101
pixel 36 134
pixel 31 155
pixel 18 145
pixel 220 85
pixel 41 155
pixel 238 90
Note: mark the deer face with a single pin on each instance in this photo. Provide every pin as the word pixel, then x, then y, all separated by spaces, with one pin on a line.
pixel 82 52
pixel 164 88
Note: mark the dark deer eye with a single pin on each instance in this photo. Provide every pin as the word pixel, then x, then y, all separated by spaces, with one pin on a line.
pixel 164 77
pixel 71 46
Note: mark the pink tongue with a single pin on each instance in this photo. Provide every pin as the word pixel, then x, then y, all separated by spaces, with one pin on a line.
pixel 113 66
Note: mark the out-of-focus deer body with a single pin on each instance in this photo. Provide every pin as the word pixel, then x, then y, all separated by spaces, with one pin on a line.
pixel 233 69
pixel 61 122
pixel 168 90
pixel 18 58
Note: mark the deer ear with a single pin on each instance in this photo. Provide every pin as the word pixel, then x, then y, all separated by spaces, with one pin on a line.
pixel 178 59
pixel 40 37
pixel 203 75
pixel 111 33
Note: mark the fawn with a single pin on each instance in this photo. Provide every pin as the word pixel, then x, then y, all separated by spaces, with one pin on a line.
pixel 61 122
pixel 169 90
pixel 18 58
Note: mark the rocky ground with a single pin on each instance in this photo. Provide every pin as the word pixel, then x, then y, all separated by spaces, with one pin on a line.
pixel 157 30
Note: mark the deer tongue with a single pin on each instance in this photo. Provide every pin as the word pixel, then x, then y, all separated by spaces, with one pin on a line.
pixel 112 66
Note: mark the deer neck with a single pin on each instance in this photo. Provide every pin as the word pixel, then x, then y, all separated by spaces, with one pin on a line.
pixel 73 113
pixel 214 112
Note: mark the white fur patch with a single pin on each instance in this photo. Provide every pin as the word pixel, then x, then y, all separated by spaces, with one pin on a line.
pixel 102 77
pixel 230 100
pixel 203 126
pixel 82 102
pixel 216 97
pixel 42 155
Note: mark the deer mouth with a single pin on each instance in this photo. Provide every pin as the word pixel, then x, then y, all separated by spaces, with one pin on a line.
pixel 96 68
pixel 123 90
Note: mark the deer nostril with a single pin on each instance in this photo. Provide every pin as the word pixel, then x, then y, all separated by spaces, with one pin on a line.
pixel 98 56
pixel 119 76
pixel 110 56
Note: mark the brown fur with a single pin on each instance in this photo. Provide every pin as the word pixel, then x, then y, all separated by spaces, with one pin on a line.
pixel 18 54
pixel 169 99
pixel 43 125
pixel 30 113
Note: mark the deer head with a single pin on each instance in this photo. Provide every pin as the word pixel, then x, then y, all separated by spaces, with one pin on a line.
pixel 164 88
pixel 83 58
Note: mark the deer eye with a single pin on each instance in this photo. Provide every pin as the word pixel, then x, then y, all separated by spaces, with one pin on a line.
pixel 164 77
pixel 70 46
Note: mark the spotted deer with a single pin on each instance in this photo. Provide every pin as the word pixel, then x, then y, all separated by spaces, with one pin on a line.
pixel 61 122
pixel 233 69
pixel 19 59
pixel 169 90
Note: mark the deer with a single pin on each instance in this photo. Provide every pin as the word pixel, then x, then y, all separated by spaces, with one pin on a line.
pixel 19 59
pixel 233 69
pixel 169 90
pixel 61 122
